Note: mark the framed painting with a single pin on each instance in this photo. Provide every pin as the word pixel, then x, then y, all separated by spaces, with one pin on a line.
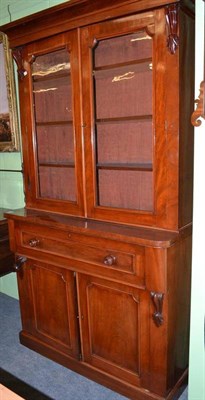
pixel 9 130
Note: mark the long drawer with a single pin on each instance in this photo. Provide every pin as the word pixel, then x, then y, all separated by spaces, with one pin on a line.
pixel 103 257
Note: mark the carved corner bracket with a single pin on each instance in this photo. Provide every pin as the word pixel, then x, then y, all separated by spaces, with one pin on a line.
pixel 157 299
pixel 17 55
pixel 172 27
pixel 20 260
pixel 200 108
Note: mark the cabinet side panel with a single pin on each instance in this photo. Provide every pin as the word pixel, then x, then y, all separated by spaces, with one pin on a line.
pixel 156 282
pixel 186 106
pixel 25 298
pixel 179 281
pixel 12 239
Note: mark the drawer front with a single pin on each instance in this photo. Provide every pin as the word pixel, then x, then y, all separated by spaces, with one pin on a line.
pixel 104 257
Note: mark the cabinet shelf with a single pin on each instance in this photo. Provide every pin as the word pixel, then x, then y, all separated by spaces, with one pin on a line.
pixel 122 64
pixel 131 118
pixel 57 165
pixel 126 166
pixel 53 123
pixel 38 78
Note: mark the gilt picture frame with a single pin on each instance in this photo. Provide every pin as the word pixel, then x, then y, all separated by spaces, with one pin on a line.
pixel 9 129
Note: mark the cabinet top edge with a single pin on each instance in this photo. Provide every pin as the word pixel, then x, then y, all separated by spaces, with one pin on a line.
pixel 145 236
pixel 2 217
pixel 78 13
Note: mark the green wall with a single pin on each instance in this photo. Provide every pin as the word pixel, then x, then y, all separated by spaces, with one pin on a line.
pixel 11 10
pixel 11 196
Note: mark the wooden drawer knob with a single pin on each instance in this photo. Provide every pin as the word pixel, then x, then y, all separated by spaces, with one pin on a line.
pixel 34 242
pixel 110 260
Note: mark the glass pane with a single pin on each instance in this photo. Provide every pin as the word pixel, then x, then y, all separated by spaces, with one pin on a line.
pixel 52 92
pixel 55 143
pixel 124 91
pixel 123 49
pixel 114 146
pixel 57 183
pixel 125 189
pixel 53 101
pixel 122 84
pixel 50 64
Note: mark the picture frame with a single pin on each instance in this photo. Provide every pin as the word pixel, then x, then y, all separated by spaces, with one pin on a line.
pixel 9 129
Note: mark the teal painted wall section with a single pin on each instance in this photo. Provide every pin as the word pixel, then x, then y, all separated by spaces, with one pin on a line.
pixel 11 184
pixel 15 9
pixel 11 196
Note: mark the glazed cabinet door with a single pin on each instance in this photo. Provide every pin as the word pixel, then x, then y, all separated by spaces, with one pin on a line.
pixel 51 128
pixel 124 117
pixel 48 306
pixel 114 321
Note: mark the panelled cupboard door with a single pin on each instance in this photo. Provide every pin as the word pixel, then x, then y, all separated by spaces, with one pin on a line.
pixel 48 306
pixel 51 124
pixel 114 321
pixel 124 84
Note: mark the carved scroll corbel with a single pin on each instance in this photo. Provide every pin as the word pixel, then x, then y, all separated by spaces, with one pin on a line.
pixel 150 29
pixel 200 108
pixel 157 299
pixel 172 27
pixel 20 260
pixel 17 55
